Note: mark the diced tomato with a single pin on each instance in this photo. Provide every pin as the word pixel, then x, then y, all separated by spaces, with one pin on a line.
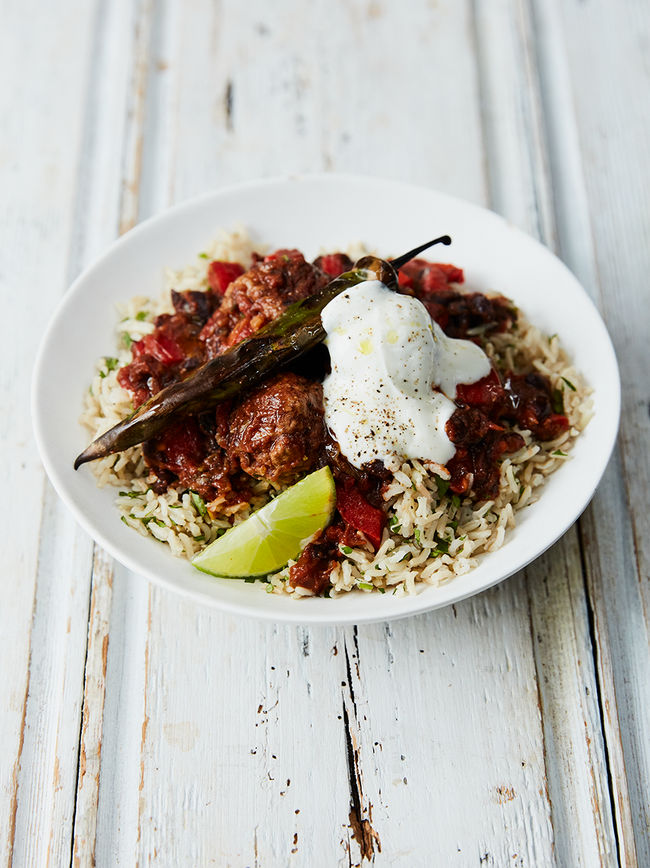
pixel 435 279
pixel 481 393
pixel 429 278
pixel 284 253
pixel 161 346
pixel 222 274
pixel 333 264
pixel 405 280
pixel 358 513
pixel 241 331
pixel 451 272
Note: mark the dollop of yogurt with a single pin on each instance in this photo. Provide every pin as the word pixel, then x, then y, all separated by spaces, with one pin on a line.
pixel 394 376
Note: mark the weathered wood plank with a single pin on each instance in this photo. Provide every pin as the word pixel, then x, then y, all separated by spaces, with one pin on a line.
pixel 576 766
pixel 575 757
pixel 452 731
pixel 82 113
pixel 109 769
pixel 125 722
pixel 40 131
pixel 48 763
pixel 90 742
pixel 599 121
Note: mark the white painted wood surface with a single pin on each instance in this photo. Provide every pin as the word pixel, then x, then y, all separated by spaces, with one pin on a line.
pixel 137 728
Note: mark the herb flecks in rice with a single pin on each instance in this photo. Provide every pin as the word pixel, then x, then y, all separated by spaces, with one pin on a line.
pixel 431 537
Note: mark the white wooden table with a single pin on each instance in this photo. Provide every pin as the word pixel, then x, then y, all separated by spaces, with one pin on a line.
pixel 510 730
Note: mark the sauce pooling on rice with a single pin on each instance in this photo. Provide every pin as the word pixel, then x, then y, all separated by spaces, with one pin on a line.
pixel 394 376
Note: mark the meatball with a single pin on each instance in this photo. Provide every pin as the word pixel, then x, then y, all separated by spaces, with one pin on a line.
pixel 277 432
pixel 259 296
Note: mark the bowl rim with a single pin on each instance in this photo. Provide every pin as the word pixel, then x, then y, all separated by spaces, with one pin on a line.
pixel 409 605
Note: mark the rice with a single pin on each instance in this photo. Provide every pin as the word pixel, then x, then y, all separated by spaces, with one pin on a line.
pixel 432 535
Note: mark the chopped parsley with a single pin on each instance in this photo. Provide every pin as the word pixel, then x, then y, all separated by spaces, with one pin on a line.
pixel 130 493
pixel 453 524
pixel 204 255
pixel 559 453
pixel 127 340
pixel 443 485
pixel 346 550
pixel 569 384
pixel 416 534
pixel 382 590
pixel 394 524
pixel 365 586
pixel 557 401
pixel 111 363
pixel 442 545
pixel 199 503
pixel 455 501
pixel 141 315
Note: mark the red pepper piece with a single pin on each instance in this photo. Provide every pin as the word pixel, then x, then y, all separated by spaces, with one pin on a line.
pixel 481 393
pixel 160 346
pixel 358 513
pixel 429 278
pixel 222 274
pixel 285 253
pixel 439 275
pixel 334 264
pixel 241 331
pixel 405 280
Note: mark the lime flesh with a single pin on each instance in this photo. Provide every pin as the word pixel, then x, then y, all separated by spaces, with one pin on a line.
pixel 274 534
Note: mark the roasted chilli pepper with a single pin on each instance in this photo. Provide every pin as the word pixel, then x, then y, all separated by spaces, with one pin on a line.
pixel 283 340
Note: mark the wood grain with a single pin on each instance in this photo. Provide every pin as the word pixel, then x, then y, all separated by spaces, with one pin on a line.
pixel 598 147
pixel 92 719
pixel 43 628
pixel 509 729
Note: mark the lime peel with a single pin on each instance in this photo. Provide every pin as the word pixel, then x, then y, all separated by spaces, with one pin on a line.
pixel 275 534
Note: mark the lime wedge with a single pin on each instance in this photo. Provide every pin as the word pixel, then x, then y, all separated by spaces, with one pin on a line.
pixel 275 533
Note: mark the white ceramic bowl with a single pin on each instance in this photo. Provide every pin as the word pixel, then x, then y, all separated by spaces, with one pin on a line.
pixel 309 213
